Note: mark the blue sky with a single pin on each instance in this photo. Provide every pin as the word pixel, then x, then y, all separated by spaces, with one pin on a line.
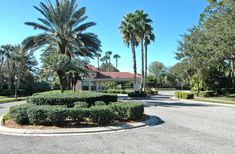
pixel 171 18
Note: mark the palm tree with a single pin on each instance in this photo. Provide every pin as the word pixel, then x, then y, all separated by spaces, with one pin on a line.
pixel 98 55
pixel 63 28
pixel 143 26
pixel 116 57
pixel 108 54
pixel 105 59
pixel 128 30
pixel 149 36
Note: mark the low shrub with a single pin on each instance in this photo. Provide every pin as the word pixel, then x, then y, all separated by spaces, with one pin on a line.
pixel 99 103
pixel 57 115
pixel 137 94
pixel 151 92
pixel 19 113
pixel 47 115
pixel 136 111
pixel 78 114
pixel 114 91
pixel 128 110
pixel 184 95
pixel 81 105
pixel 70 98
pixel 206 94
pixel 102 114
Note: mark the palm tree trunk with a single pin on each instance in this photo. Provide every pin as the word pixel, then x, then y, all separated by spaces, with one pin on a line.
pixel 146 64
pixel 116 63
pixel 62 80
pixel 134 63
pixel 142 61
pixel 232 73
pixel 98 60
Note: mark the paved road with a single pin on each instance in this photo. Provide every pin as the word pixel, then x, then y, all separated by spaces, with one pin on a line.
pixel 188 128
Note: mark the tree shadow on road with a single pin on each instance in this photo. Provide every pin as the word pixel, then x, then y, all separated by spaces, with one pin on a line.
pixel 174 104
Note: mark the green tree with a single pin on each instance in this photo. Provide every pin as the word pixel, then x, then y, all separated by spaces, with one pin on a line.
pixel 98 56
pixel 143 30
pixel 63 28
pixel 129 34
pixel 108 67
pixel 156 69
pixel 116 57
pixel 108 55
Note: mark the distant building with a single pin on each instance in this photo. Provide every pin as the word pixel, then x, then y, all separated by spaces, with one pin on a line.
pixel 95 77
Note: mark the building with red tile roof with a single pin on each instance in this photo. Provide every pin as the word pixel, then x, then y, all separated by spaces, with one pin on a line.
pixel 94 78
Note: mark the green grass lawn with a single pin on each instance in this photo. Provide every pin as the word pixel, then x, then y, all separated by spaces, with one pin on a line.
pixel 5 99
pixel 229 99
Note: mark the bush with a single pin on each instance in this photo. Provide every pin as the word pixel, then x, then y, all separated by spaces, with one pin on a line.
pixel 19 113
pixel 102 114
pixel 151 92
pixel 137 94
pixel 57 115
pixel 81 105
pixel 47 115
pixel 184 95
pixel 117 91
pixel 70 98
pixel 78 114
pixel 206 94
pixel 99 103
pixel 128 110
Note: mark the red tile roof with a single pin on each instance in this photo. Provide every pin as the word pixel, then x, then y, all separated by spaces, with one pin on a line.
pixel 116 75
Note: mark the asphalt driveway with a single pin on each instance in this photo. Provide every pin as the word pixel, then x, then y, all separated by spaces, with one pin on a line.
pixel 186 128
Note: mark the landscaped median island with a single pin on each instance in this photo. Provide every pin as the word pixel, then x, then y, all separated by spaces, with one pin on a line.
pixel 73 110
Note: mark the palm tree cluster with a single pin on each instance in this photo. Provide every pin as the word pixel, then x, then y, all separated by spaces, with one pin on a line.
pixel 136 30
pixel 65 30
pixel 14 65
pixel 106 59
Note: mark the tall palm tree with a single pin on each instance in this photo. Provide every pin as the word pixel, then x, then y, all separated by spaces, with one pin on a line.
pixel 63 28
pixel 108 54
pixel 116 57
pixel 98 55
pixel 143 26
pixel 149 36
pixel 128 30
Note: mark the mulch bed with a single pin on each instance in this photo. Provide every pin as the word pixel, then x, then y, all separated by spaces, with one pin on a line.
pixel 11 124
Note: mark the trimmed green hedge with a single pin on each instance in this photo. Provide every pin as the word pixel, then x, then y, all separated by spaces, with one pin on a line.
pixel 19 113
pixel 184 95
pixel 206 94
pixel 114 91
pixel 69 99
pixel 137 94
pixel 128 110
pixel 57 115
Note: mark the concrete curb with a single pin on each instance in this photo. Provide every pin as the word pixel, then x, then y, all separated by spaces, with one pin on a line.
pixel 153 120
pixel 201 102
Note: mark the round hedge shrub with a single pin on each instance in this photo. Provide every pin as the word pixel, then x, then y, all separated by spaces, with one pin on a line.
pixel 128 110
pixel 19 113
pixel 102 114
pixel 78 114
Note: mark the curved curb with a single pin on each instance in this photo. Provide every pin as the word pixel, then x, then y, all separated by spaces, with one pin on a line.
pixel 153 120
